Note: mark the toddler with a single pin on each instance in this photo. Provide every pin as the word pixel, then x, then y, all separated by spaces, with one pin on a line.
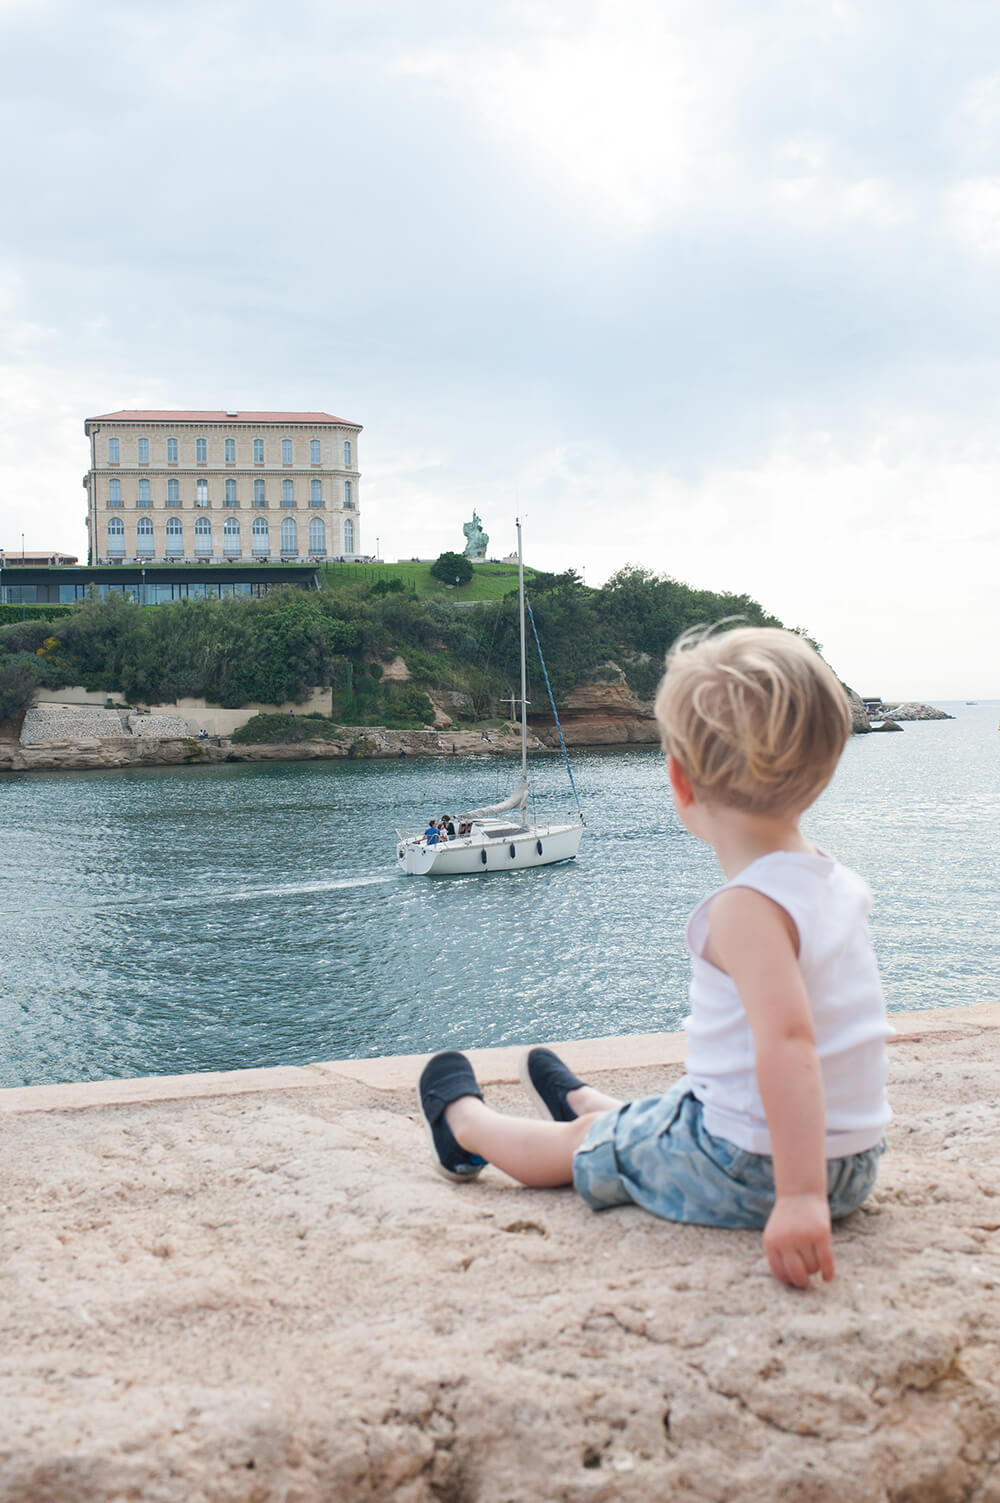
pixel 779 1121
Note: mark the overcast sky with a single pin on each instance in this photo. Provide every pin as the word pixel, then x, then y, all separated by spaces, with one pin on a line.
pixel 709 287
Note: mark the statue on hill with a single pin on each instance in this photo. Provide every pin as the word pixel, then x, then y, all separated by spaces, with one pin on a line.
pixel 476 539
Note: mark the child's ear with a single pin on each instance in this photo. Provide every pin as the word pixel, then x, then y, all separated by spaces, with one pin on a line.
pixel 679 782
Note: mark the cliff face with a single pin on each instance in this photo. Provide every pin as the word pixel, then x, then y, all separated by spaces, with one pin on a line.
pixel 603 712
pixel 859 715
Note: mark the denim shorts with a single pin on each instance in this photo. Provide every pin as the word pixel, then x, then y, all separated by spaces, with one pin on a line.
pixel 657 1153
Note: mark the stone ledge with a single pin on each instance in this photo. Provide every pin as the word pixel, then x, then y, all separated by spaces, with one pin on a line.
pixel 265 1293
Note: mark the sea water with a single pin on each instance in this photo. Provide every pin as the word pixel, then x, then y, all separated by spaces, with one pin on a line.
pixel 161 920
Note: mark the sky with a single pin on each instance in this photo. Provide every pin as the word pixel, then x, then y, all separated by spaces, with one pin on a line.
pixel 698 285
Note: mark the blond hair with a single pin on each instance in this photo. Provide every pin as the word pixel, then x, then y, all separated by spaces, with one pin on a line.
pixel 754 716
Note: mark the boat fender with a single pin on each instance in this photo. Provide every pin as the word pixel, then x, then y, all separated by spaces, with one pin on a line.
pixel 399 854
pixel 482 857
pixel 513 850
pixel 538 846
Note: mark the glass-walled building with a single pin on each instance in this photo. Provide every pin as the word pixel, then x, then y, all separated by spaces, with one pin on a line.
pixel 24 585
pixel 184 487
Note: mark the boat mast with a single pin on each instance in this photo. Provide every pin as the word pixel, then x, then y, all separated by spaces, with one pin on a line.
pixel 524 671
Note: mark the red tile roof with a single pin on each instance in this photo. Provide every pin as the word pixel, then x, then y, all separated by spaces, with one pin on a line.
pixel 144 415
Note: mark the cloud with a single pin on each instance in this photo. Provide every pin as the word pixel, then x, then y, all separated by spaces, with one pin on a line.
pixel 710 287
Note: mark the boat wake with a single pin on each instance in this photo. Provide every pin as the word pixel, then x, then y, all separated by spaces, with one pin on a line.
pixel 195 898
pixel 299 889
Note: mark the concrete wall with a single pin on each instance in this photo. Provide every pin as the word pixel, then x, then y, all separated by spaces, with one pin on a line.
pixel 74 695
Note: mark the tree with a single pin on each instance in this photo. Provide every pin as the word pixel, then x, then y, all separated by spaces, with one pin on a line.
pixel 452 568
pixel 18 681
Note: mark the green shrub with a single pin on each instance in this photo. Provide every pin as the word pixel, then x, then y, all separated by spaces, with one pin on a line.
pixel 284 729
pixel 24 636
pixel 278 729
pixel 10 613
pixel 18 682
pixel 452 568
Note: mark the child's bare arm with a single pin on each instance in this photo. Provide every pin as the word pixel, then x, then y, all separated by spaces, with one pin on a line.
pixel 754 941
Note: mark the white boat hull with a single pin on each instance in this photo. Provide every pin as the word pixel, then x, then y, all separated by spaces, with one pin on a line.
pixel 480 852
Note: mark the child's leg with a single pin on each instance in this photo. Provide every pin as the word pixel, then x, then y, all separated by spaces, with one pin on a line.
pixel 587 1099
pixel 537 1153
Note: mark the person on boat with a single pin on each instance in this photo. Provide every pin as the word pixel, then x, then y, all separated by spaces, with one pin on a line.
pixel 779 1122
pixel 446 827
pixel 431 836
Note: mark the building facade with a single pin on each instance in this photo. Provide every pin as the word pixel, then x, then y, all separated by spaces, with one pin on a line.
pixel 146 584
pixel 222 487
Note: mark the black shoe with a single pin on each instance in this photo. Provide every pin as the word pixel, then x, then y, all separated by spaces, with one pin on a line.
pixel 445 1078
pixel 548 1082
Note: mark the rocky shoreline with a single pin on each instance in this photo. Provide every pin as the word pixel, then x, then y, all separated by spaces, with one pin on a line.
pixel 866 717
pixel 72 737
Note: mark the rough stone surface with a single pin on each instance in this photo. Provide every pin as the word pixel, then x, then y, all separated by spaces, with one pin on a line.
pixel 159 727
pixel 859 715
pixel 271 1298
pixel 71 722
pixel 912 710
pixel 107 752
pixel 603 712
pixel 395 670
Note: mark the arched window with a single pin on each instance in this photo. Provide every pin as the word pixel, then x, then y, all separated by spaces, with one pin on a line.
pixel 203 537
pixel 116 537
pixel 230 491
pixel 114 491
pixel 144 497
pixel 144 535
pixel 259 497
pixel 348 536
pixel 175 536
pixel 287 493
pixel 261 544
pixel 289 536
pixel 347 494
pixel 173 493
pixel 201 492
pixel 231 538
pixel 347 453
pixel 317 536
pixel 315 493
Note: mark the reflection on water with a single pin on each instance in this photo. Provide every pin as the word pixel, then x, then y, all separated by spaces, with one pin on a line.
pixel 163 920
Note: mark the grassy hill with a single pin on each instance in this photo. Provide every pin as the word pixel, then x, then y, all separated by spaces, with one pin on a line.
pixel 488 582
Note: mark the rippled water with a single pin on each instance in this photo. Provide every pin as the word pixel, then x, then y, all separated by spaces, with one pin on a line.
pixel 163 920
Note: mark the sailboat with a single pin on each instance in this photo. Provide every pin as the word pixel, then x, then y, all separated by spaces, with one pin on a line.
pixel 497 837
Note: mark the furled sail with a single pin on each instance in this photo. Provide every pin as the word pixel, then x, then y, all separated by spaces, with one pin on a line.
pixel 518 800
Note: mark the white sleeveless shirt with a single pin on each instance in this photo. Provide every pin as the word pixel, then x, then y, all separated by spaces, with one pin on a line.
pixel 829 907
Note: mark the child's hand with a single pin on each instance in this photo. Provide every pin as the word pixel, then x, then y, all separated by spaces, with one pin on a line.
pixel 797 1239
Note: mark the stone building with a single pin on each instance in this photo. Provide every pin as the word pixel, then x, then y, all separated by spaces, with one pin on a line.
pixel 222 487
